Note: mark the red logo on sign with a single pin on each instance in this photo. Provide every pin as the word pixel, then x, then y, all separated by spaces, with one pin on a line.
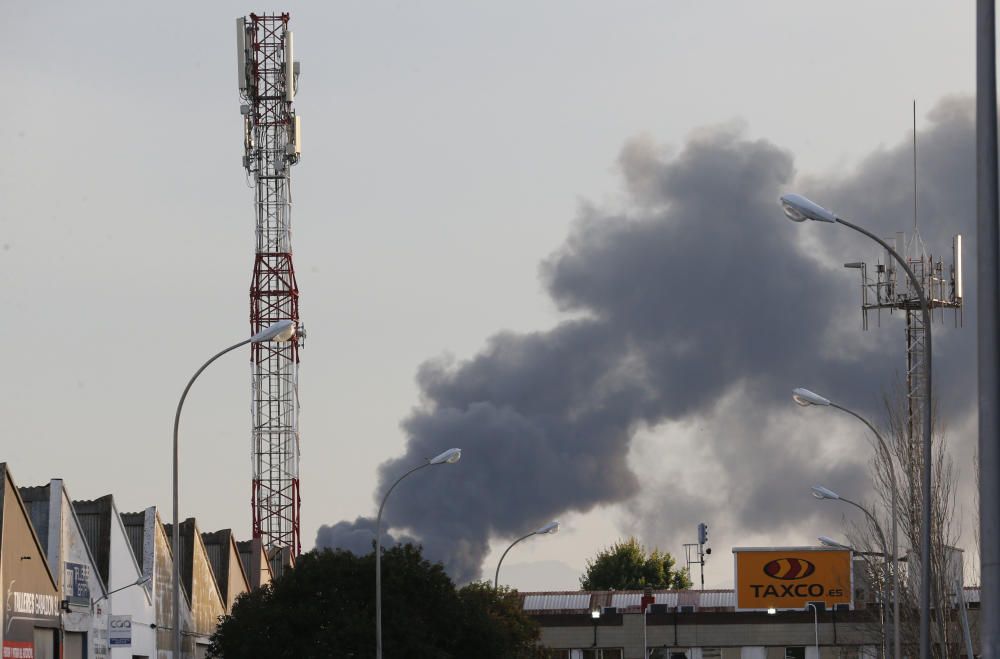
pixel 789 568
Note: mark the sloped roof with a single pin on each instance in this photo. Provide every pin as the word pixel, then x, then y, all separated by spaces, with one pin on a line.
pixel 95 521
pixel 135 529
pixel 36 501
pixel 218 546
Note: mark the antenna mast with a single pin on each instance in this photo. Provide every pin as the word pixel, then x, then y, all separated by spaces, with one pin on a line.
pixel 943 288
pixel 268 77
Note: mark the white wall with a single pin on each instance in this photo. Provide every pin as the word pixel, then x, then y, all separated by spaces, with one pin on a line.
pixel 133 600
pixel 70 546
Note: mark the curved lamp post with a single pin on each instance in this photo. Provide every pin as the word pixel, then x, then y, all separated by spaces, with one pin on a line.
pixel 138 582
pixel 821 492
pixel 800 209
pixel 812 605
pixel 451 456
pixel 283 330
pixel 807 398
pixel 551 527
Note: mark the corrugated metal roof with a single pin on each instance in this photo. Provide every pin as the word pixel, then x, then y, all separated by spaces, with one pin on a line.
pixel 669 598
pixel 557 601
pixel 245 550
pixel 36 501
pixel 135 530
pixel 629 599
pixel 95 522
pixel 708 599
pixel 633 598
pixel 625 600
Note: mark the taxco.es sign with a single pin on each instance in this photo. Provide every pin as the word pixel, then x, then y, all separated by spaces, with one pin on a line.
pixel 791 577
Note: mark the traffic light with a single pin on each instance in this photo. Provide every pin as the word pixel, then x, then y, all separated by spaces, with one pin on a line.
pixel 702 533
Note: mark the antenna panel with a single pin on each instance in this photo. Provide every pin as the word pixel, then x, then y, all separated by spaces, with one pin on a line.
pixel 241 52
pixel 297 138
pixel 957 275
pixel 289 68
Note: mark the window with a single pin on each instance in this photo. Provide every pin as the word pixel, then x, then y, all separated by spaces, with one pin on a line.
pixel 585 653
pixel 795 653
pixel 665 653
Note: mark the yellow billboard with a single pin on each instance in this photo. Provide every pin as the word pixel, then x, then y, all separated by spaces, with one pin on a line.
pixel 791 577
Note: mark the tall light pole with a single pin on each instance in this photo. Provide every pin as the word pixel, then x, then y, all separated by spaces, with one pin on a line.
pixel 800 209
pixel 283 330
pixel 815 609
pixel 821 492
pixel 451 456
pixel 987 330
pixel 595 615
pixel 807 398
pixel 551 527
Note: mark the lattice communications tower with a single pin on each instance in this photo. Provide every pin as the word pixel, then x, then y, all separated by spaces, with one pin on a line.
pixel 268 76
pixel 890 289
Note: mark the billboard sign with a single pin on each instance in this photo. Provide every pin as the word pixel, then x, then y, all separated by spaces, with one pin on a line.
pixel 791 577
pixel 120 631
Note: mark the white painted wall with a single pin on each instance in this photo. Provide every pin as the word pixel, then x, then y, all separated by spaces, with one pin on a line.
pixel 136 601
pixel 70 546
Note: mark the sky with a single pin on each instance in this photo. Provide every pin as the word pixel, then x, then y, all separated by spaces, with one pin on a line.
pixel 545 233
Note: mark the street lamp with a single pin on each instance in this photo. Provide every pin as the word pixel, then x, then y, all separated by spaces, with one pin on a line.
pixel 283 330
pixel 551 527
pixel 138 582
pixel 807 398
pixel 451 456
pixel 799 209
pixel 595 615
pixel 821 492
pixel 830 542
pixel 815 609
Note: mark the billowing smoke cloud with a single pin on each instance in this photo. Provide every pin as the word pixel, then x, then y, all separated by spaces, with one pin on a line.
pixel 357 536
pixel 694 302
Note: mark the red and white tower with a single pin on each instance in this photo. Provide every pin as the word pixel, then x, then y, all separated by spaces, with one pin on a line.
pixel 267 81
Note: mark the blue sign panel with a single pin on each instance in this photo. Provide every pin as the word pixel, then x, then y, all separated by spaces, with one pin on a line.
pixel 76 583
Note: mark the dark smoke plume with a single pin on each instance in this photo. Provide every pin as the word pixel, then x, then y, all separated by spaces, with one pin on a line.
pixel 696 301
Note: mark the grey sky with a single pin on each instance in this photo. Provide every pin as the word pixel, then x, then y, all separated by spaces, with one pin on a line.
pixel 448 148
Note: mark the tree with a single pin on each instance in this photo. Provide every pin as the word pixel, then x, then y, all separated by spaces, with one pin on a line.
pixel 493 624
pixel 905 460
pixel 325 607
pixel 627 566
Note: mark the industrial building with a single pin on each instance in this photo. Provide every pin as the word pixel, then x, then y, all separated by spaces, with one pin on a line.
pixel 706 624
pixel 80 579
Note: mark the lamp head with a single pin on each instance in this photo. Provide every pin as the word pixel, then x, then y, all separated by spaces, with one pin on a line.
pixel 805 398
pixel 772 611
pixel 281 331
pixel 821 492
pixel 451 456
pixel 595 612
pixel 799 209
pixel 830 542
pixel 551 527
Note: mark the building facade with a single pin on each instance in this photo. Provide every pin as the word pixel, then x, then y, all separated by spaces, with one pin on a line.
pixel 80 580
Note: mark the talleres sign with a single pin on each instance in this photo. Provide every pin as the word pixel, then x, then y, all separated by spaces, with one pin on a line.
pixel 792 577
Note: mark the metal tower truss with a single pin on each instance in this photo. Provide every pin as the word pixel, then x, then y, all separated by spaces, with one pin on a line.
pixel 891 290
pixel 267 77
